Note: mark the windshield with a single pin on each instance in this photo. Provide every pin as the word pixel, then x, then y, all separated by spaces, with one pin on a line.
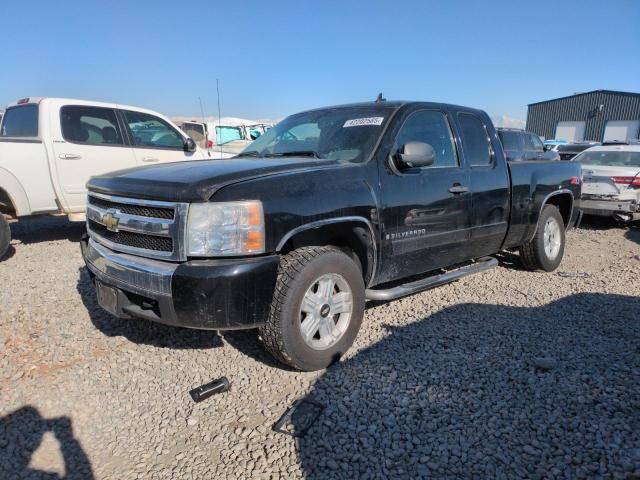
pixel 344 133
pixel 609 158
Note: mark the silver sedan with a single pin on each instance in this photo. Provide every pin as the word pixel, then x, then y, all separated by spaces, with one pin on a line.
pixel 611 181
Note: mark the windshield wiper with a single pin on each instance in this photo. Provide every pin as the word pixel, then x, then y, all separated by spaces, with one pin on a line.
pixel 295 153
pixel 250 153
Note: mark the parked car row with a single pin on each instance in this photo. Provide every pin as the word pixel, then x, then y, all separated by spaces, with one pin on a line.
pixel 226 137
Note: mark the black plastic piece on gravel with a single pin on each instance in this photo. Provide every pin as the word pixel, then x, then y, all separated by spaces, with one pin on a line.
pixel 299 417
pixel 208 389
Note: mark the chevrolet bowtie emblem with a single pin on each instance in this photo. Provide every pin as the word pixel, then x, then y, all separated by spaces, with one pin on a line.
pixel 110 221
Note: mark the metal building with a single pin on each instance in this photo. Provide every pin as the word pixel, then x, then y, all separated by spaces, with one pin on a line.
pixel 601 115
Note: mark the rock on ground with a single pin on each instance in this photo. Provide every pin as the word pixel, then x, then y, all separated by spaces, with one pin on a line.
pixel 507 374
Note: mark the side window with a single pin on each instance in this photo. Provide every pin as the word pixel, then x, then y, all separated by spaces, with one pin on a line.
pixel 536 143
pixel 195 131
pixel 475 141
pixel 510 140
pixel 432 127
pixel 90 125
pixel 150 131
pixel 225 134
pixel 21 121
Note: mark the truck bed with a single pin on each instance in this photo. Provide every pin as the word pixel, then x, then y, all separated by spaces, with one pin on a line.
pixel 531 183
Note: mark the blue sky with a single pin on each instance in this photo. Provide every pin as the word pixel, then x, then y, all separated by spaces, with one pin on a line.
pixel 275 58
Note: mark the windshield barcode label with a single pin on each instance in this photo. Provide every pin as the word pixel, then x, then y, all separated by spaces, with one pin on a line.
pixel 359 122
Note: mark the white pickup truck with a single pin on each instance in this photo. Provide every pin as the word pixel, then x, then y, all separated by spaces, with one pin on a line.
pixel 49 147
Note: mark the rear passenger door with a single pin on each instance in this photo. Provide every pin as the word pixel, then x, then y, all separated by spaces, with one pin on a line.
pixel 490 185
pixel 154 140
pixel 90 142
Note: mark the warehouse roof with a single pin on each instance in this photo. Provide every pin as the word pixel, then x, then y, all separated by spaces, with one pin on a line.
pixel 612 92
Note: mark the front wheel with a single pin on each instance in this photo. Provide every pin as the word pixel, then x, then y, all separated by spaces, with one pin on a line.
pixel 546 248
pixel 5 235
pixel 317 308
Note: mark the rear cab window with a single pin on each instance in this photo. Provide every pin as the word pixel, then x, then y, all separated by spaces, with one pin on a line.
pixel 475 140
pixel 90 125
pixel 20 122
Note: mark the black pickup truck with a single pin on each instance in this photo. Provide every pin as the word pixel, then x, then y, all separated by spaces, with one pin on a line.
pixel 329 208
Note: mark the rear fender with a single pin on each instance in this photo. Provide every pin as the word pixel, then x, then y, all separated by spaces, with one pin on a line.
pixel 563 199
pixel 12 187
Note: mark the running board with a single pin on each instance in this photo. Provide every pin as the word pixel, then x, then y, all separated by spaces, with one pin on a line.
pixel 480 265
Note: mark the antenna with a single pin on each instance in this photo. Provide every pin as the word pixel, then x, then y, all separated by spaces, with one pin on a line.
pixel 219 117
pixel 201 109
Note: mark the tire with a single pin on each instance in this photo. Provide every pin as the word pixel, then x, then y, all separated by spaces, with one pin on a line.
pixel 302 271
pixel 546 248
pixel 5 236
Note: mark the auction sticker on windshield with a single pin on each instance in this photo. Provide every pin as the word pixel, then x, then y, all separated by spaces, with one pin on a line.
pixel 359 122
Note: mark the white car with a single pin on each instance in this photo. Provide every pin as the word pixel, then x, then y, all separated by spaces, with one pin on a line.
pixel 49 147
pixel 225 138
pixel 611 181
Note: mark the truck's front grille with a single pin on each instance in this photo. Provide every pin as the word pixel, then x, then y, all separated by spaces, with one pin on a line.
pixel 131 239
pixel 146 228
pixel 140 210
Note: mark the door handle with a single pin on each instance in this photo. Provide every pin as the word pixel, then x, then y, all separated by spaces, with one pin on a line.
pixel 458 189
pixel 150 159
pixel 69 156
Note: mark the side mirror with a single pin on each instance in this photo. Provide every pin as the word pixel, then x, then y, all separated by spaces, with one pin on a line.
pixel 416 154
pixel 190 145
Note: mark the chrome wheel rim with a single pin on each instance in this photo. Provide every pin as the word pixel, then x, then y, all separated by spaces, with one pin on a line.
pixel 325 311
pixel 552 238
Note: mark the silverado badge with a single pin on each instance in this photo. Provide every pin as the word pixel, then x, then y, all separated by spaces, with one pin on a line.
pixel 110 221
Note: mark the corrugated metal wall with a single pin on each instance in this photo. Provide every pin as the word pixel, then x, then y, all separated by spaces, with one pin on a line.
pixel 542 118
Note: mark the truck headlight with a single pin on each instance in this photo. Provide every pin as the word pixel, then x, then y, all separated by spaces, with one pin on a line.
pixel 225 228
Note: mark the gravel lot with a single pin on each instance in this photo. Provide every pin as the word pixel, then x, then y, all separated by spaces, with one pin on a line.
pixel 508 374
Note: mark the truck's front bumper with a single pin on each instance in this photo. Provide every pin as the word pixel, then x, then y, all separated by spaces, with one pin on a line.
pixel 207 294
pixel 608 208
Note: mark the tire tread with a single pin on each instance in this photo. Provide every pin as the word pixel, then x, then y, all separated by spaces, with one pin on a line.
pixel 291 265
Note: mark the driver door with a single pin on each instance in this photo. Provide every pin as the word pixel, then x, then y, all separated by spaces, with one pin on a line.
pixel 426 211
pixel 154 140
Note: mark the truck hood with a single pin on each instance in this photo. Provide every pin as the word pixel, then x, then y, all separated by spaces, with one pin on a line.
pixel 198 180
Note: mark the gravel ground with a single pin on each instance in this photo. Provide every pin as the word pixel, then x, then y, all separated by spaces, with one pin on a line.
pixel 508 374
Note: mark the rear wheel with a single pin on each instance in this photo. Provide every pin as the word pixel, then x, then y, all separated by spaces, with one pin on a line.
pixel 317 308
pixel 546 249
pixel 5 235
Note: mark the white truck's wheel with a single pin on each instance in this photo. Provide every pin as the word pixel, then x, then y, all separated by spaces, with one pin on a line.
pixel 5 236
pixel 317 308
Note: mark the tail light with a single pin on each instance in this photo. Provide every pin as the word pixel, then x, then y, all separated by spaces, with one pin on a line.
pixel 210 144
pixel 575 180
pixel 631 181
